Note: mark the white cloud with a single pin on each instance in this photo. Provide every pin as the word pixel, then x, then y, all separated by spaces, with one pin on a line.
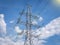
pixel 34 22
pixel 8 41
pixel 49 30
pixel 12 21
pixel 17 29
pixel 2 24
pixel 19 32
pixel 40 19
pixel 36 41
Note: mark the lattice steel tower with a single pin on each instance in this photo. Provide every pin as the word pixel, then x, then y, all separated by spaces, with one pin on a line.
pixel 28 24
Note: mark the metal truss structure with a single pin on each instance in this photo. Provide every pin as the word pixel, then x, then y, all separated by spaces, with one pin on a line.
pixel 28 24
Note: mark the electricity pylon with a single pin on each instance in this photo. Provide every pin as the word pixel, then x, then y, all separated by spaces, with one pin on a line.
pixel 28 24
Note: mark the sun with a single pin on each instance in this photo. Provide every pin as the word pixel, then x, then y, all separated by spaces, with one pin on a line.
pixel 57 2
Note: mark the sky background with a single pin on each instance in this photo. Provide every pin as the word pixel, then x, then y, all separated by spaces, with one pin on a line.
pixel 47 9
pixel 44 8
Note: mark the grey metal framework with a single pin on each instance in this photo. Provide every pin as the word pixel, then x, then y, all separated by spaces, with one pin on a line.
pixel 28 24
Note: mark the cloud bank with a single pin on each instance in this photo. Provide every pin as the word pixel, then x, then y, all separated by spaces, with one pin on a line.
pixel 51 29
pixel 2 24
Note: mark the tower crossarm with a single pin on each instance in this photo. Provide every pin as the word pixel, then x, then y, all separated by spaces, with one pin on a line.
pixel 24 23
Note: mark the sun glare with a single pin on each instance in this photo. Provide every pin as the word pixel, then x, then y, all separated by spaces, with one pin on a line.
pixel 57 2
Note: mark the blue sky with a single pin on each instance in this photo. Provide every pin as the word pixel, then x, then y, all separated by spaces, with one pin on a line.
pixel 43 8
